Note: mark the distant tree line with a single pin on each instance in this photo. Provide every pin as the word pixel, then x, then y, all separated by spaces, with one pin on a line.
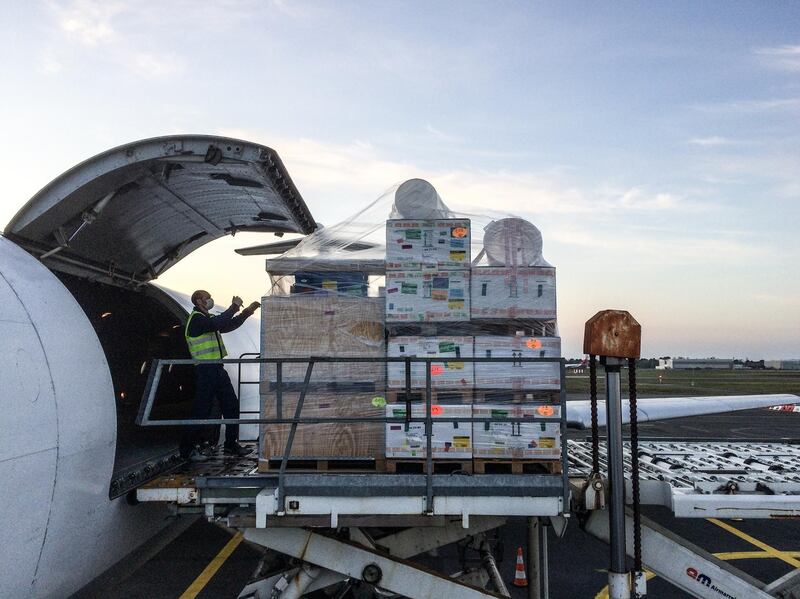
pixel 653 362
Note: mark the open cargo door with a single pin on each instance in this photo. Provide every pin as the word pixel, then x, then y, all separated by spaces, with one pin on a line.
pixel 113 223
pixel 128 214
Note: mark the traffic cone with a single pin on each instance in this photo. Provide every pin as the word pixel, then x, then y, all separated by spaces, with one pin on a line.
pixel 520 579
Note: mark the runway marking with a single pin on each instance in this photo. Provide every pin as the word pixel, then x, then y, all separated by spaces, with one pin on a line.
pixel 215 564
pixel 781 555
pixel 725 556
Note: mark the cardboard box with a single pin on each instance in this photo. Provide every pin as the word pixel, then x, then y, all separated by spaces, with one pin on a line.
pixel 300 326
pixel 420 244
pixel 450 439
pixel 417 296
pixel 517 375
pixel 513 292
pixel 451 373
pixel 320 441
pixel 540 440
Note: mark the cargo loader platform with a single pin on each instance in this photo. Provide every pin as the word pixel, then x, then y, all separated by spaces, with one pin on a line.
pixel 226 483
pixel 693 479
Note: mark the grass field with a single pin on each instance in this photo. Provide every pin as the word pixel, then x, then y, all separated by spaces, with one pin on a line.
pixel 651 382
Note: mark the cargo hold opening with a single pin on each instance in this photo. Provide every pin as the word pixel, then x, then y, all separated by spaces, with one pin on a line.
pixel 135 326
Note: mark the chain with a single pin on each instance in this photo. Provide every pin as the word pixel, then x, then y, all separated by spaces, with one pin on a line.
pixel 637 525
pixel 593 401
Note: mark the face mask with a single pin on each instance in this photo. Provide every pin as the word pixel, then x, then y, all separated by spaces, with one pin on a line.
pixel 209 303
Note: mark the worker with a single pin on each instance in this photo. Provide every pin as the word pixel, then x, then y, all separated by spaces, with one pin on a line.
pixel 203 336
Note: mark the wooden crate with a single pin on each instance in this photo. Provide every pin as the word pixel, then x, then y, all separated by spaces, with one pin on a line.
pixel 321 441
pixel 300 326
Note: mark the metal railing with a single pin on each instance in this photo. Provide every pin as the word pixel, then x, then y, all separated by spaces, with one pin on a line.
pixel 154 377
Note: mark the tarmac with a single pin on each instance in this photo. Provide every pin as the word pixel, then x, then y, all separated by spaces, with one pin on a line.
pixel 207 561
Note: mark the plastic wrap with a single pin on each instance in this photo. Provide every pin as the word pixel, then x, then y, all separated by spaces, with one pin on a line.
pixel 409 276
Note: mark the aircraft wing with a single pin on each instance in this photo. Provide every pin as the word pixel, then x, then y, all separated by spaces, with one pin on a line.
pixel 664 408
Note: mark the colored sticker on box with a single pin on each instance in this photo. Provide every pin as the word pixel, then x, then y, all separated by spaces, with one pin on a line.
pixel 413 234
pixel 454 365
pixel 446 347
pixel 408 288
pixel 441 282
pixel 459 232
pixel 461 442
pixel 455 304
pixel 458 255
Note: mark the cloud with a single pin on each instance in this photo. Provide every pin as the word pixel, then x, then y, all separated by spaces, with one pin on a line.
pixel 87 21
pixel 441 135
pixel 751 106
pixel 712 141
pixel 360 168
pixel 49 64
pixel 155 65
pixel 786 57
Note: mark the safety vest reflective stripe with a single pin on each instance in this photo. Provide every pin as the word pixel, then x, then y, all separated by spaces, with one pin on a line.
pixel 208 346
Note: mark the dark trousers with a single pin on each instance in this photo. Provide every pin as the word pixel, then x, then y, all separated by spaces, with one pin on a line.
pixel 211 381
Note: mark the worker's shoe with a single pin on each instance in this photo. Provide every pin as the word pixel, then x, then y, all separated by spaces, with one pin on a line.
pixel 197 456
pixel 236 449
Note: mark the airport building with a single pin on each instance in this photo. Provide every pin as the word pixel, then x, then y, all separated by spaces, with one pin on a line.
pixel 692 363
pixel 782 364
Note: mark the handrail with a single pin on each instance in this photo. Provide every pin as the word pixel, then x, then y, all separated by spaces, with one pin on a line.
pixel 154 376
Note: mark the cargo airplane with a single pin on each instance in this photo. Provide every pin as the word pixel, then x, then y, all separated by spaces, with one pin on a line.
pixel 82 319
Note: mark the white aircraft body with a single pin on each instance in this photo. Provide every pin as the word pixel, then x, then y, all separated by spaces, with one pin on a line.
pixel 82 319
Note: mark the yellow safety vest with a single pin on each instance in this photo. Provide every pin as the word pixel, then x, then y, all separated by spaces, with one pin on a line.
pixel 208 346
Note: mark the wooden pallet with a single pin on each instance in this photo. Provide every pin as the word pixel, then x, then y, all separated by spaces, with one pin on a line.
pixel 377 464
pixel 476 326
pixel 509 466
pixel 420 466
pixel 523 396
pixel 442 396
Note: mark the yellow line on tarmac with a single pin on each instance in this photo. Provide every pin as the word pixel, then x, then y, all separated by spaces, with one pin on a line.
pixel 215 564
pixel 781 555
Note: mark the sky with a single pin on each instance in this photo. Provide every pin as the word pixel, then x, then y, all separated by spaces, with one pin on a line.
pixel 655 145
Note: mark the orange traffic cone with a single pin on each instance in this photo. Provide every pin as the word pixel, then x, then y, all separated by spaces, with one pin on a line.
pixel 520 579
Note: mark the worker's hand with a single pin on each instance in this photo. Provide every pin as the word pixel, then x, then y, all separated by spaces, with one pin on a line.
pixel 253 307
pixel 237 300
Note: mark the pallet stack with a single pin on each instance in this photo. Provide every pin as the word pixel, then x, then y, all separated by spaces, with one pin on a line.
pixel 513 312
pixel 427 293
pixel 323 321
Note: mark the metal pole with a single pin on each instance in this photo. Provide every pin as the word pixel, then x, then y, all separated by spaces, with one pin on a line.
pixel 534 563
pixel 618 579
pixel 428 441
pixel 543 568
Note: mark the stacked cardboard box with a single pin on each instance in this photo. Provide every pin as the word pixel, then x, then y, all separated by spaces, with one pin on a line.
pixel 427 296
pixel 534 440
pixel 450 373
pixel 428 280
pixel 518 299
pixel 517 375
pixel 513 292
pixel 415 245
pixel 451 440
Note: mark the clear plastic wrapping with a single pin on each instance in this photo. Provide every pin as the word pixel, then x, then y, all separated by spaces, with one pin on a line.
pixel 409 276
